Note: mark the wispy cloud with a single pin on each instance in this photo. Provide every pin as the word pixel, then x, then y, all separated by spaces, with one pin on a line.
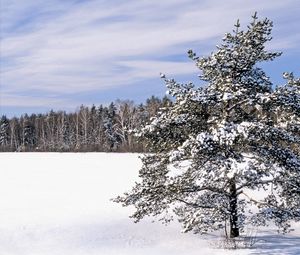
pixel 67 47
pixel 31 101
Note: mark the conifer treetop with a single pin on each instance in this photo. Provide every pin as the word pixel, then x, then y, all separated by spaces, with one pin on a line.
pixel 233 64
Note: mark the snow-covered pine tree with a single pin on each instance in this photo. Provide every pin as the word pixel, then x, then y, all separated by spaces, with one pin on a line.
pixel 4 131
pixel 227 153
pixel 112 138
pixel 28 134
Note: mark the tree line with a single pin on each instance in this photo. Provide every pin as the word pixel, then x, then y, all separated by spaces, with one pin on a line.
pixel 96 128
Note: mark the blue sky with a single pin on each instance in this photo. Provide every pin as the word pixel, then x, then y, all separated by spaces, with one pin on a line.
pixel 60 54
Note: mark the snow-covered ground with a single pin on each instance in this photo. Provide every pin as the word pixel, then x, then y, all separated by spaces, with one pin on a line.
pixel 59 204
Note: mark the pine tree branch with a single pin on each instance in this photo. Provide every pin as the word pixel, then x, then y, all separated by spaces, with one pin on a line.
pixel 194 205
pixel 254 183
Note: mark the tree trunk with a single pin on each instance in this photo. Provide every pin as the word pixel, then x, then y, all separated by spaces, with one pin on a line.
pixel 234 229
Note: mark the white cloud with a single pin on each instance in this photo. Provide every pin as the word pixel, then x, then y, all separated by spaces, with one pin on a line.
pixel 93 45
pixel 31 101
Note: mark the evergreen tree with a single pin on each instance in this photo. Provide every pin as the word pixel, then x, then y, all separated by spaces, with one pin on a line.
pixel 112 140
pixel 28 132
pixel 219 144
pixel 4 131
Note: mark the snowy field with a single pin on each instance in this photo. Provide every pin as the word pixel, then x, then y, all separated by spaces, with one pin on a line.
pixel 59 204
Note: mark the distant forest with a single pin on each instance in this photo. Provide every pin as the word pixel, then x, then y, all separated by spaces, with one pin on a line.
pixel 97 128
